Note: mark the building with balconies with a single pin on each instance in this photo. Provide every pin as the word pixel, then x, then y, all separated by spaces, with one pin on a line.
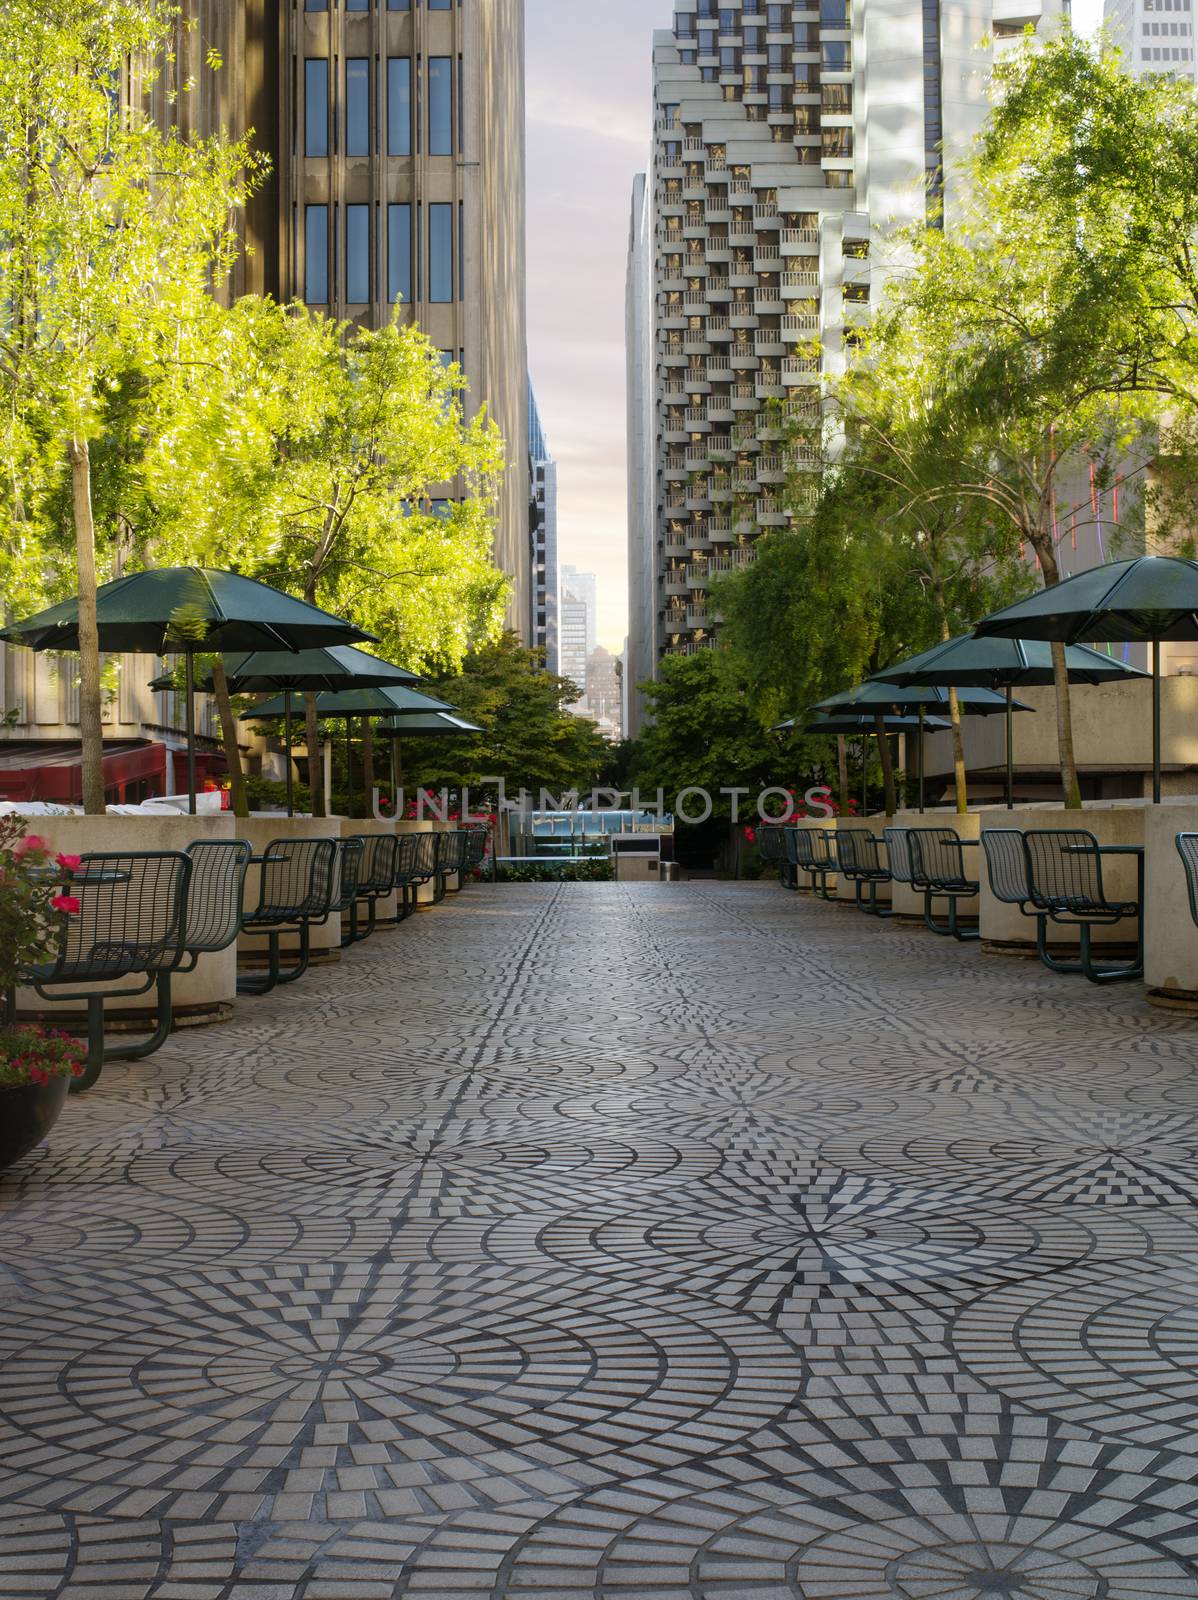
pixel 789 141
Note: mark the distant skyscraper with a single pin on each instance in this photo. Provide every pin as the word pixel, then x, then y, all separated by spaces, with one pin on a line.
pixel 788 138
pixel 582 586
pixel 572 641
pixel 543 535
pixel 1154 35
pixel 604 691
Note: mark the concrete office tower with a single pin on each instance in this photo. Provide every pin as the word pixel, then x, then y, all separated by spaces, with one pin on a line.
pixel 789 139
pixel 605 691
pixel 582 586
pixel 1154 35
pixel 543 537
pixel 572 645
pixel 396 133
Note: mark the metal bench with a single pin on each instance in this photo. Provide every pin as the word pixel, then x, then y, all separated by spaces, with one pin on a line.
pixel 296 891
pixel 938 869
pixel 372 880
pixel 215 897
pixel 809 851
pixel 1006 867
pixel 898 854
pixel 771 841
pixel 476 849
pixel 131 922
pixel 1187 849
pixel 407 866
pixel 451 856
pixel 1064 876
pixel 859 854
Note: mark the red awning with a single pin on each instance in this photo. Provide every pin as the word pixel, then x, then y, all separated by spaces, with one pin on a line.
pixel 51 771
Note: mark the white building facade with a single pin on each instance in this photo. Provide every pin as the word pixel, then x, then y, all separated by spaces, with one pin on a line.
pixel 1154 35
pixel 790 139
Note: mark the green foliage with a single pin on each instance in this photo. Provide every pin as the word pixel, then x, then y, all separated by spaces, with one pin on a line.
pixel 30 1055
pixel 530 737
pixel 30 923
pixel 567 872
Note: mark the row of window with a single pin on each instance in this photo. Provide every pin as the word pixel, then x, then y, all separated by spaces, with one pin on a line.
pixel 423 122
pixel 424 259
pixel 1157 30
pixel 383 5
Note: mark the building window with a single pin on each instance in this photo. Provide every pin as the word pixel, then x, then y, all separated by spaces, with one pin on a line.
pixel 399 5
pixel 357 106
pixel 316 255
pixel 357 255
pixel 838 177
pixel 836 55
pixel 838 142
pixel 440 105
pixel 440 5
pixel 837 99
pixel 399 253
pixel 316 5
pixel 316 107
pixel 856 294
pixel 836 13
pixel 440 253
pixel 357 5
pixel 399 106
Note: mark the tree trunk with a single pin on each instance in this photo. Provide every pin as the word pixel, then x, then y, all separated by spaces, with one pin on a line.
pixel 368 767
pixel 887 760
pixel 315 761
pixel 959 784
pixel 1070 786
pixel 91 716
pixel 228 728
pixel 842 772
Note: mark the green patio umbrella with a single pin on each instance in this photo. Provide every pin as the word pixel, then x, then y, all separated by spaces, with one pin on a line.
pixel 865 727
pixel 1147 599
pixel 1006 664
pixel 336 668
pixel 189 610
pixel 367 702
pixel 443 724
pixel 917 698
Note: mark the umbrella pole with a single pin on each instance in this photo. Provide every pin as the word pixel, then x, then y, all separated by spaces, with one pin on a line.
pixel 349 766
pixel 864 775
pixel 1156 722
pixel 1010 750
pixel 287 752
pixel 921 779
pixel 190 671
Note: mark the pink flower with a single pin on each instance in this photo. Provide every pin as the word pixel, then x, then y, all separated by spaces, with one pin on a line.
pixel 31 844
pixel 66 903
pixel 69 863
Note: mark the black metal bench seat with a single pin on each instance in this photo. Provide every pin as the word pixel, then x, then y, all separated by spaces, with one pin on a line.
pixel 859 856
pixel 938 869
pixel 812 852
pixel 296 891
pixel 368 880
pixel 1065 886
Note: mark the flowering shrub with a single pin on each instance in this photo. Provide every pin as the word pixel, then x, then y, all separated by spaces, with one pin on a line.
pixel 33 903
pixel 35 1055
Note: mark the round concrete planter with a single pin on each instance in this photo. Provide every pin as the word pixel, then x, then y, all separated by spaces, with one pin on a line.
pixel 205 995
pixel 1005 930
pixel 26 1116
pixel 260 830
pixel 908 902
pixel 1170 937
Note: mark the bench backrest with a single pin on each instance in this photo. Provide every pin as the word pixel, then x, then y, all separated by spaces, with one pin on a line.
pixel 771 843
pixel 298 879
pixel 451 850
pixel 898 853
pixel 1063 866
pixel 476 846
pixel 1187 849
pixel 350 852
pixel 936 856
pixel 134 905
pixel 214 894
pixel 406 857
pixel 1006 864
pixel 426 855
pixel 379 853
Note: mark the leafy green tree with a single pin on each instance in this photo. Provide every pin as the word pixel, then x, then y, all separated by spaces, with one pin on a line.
pixel 530 737
pixel 329 447
pixel 115 235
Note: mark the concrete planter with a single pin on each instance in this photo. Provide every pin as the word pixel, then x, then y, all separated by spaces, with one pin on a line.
pixel 424 895
pixel 260 830
pixel 1006 931
pixel 1170 937
pixel 205 995
pixel 908 902
pixel 387 910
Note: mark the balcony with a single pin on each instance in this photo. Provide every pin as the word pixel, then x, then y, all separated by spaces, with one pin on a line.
pixel 800 369
pixel 798 241
pixel 800 323
pixel 696 416
pixel 771 513
pixel 697 457
pixel 719 408
pixel 800 283
pixel 767 258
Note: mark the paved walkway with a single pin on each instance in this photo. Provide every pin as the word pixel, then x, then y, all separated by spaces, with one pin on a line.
pixel 657 1244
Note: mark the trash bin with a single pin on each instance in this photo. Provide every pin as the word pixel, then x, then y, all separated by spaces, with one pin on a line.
pixel 670 872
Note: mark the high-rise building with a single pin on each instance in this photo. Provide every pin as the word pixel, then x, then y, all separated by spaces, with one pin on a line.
pixel 582 586
pixel 572 644
pixel 1154 35
pixel 789 139
pixel 396 134
pixel 605 691
pixel 543 536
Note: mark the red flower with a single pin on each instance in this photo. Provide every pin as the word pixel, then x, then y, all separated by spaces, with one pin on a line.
pixel 66 903
pixel 31 844
pixel 69 863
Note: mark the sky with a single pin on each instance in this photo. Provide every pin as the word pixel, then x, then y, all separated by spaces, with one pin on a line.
pixel 589 89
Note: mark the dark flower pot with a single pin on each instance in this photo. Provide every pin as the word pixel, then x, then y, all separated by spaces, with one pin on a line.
pixel 26 1116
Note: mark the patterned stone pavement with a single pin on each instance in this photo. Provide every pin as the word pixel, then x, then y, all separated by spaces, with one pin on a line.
pixel 598 1243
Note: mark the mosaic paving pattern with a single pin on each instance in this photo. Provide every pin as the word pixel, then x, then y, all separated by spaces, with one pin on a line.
pixel 592 1243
